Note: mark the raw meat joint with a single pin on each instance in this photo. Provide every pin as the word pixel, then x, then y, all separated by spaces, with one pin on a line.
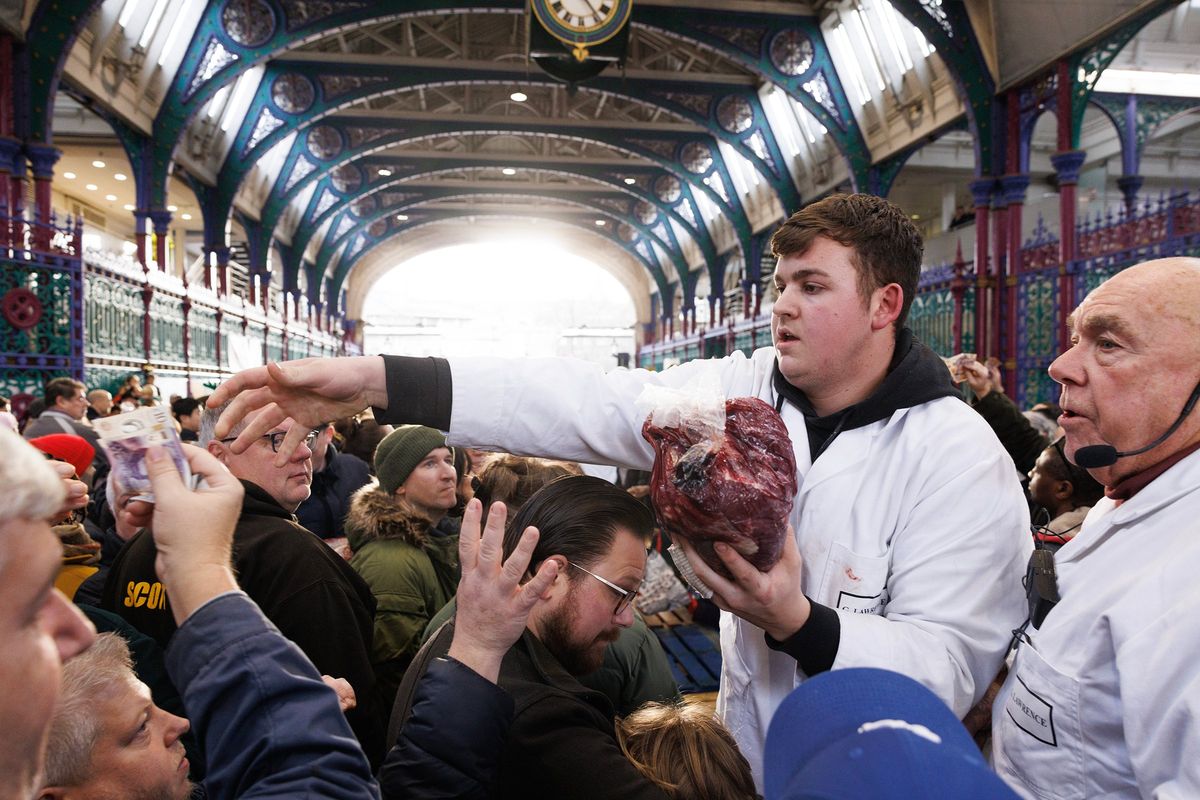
pixel 737 487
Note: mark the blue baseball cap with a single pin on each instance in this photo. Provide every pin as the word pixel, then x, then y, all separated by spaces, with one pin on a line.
pixel 855 733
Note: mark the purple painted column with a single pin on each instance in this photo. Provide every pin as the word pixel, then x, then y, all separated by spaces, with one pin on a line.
pixel 1067 165
pixel 1013 187
pixel 42 158
pixel 981 192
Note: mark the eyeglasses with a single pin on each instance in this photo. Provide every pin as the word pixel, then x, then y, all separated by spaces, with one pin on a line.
pixel 626 595
pixel 276 439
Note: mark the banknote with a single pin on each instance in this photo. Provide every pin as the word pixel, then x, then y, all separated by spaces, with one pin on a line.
pixel 126 438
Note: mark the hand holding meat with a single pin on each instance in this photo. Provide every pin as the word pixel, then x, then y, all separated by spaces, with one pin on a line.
pixel 731 482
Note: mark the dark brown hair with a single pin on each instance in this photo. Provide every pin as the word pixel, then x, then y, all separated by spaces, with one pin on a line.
pixel 62 387
pixel 687 752
pixel 887 246
pixel 578 517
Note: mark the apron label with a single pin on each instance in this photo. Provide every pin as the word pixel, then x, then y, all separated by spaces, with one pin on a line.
pixel 859 603
pixel 1031 713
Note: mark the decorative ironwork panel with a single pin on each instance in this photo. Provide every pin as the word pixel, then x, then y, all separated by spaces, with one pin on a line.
pixel 166 328
pixel 202 339
pixel 1037 345
pixel 115 312
pixel 39 299
pixel 932 320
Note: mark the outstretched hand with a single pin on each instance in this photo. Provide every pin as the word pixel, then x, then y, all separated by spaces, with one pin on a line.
pixel 493 604
pixel 193 530
pixel 311 391
pixel 773 600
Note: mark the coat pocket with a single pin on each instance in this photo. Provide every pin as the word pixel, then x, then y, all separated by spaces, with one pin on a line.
pixel 1036 733
pixel 854 583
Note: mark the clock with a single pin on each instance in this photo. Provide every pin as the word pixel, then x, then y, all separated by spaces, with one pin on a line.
pixel 581 25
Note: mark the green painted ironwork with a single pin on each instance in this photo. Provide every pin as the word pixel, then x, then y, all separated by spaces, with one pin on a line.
pixel 52 288
pixel 931 318
pixel 114 318
pixel 166 328
pixel 1086 66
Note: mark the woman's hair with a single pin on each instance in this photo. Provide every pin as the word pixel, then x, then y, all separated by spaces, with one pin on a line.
pixel 687 752
pixel 512 480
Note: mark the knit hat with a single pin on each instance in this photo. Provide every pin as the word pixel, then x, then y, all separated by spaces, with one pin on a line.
pixel 67 447
pixel 400 452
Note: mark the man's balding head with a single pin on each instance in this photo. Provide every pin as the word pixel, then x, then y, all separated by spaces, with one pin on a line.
pixel 1133 362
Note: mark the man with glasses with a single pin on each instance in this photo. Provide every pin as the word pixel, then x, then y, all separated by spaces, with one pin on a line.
pixel 308 591
pixel 562 742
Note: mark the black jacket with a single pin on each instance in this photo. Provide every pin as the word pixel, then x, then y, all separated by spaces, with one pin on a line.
pixel 301 585
pixel 561 742
pixel 324 512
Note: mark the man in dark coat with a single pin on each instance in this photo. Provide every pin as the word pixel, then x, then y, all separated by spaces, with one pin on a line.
pixel 336 476
pixel 311 594
pixel 562 742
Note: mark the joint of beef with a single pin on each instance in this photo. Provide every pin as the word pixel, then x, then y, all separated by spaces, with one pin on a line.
pixel 735 487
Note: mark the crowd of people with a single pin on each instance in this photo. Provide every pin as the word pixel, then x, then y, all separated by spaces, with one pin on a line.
pixel 395 580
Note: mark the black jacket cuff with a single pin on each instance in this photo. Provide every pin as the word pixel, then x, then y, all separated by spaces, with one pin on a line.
pixel 419 391
pixel 815 645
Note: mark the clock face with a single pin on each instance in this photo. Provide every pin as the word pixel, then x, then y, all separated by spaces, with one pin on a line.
pixel 582 22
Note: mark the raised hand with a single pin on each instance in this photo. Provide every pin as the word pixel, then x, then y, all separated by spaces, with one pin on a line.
pixel 193 530
pixel 493 604
pixel 774 600
pixel 311 391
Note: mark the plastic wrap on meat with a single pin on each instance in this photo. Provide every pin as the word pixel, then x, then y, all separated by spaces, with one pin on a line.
pixel 736 488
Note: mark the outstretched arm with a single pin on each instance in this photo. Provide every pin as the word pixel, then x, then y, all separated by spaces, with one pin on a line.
pixel 310 391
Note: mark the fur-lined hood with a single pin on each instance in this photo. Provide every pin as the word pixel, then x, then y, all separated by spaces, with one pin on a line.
pixel 374 514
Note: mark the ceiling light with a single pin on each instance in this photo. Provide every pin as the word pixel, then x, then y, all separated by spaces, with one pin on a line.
pixel 172 208
pixel 91 187
pixel 385 172
pixel 98 164
pixel 69 176
pixel 186 216
pixel 120 176
pixel 509 171
pixel 110 197
pixel 128 207
pixel 600 223
pixel 402 217
pixel 518 97
pixel 630 181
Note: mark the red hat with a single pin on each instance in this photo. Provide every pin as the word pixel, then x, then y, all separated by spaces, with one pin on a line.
pixel 67 447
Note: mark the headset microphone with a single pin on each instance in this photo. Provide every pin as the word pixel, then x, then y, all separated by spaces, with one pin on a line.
pixel 1095 456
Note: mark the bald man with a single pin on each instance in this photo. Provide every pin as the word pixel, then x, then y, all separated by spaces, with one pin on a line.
pixel 1104 696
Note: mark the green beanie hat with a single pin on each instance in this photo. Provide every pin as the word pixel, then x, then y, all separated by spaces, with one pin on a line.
pixel 400 452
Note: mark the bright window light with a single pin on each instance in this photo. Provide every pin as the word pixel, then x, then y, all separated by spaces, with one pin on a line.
pixel 127 12
pixel 156 15
pixel 851 62
pixel 894 34
pixel 240 99
pixel 1136 81
pixel 859 23
pixel 177 28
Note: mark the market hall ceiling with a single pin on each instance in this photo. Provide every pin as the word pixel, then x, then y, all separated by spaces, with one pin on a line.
pixel 327 128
